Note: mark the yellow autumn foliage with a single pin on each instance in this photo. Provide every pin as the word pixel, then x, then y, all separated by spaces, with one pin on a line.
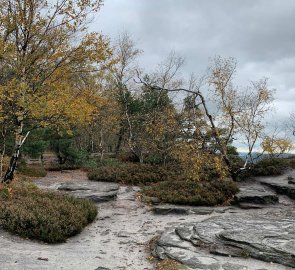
pixel 276 146
pixel 47 78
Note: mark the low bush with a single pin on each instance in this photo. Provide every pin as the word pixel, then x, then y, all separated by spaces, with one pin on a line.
pixel 189 192
pixel 169 264
pixel 127 157
pixel 46 216
pixel 5 163
pixel 132 173
pixel 88 164
pixel 291 162
pixel 62 167
pixel 110 162
pixel 270 166
pixel 32 171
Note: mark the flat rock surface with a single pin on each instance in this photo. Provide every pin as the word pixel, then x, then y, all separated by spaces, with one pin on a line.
pixel 256 194
pixel 268 236
pixel 118 238
pixel 168 209
pixel 95 191
pixel 281 184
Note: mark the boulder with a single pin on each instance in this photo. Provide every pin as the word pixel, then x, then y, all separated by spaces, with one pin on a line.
pixel 95 191
pixel 154 200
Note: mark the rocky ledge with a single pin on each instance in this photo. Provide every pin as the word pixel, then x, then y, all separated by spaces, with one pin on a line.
pixel 252 195
pixel 282 185
pixel 95 191
pixel 208 244
pixel 167 209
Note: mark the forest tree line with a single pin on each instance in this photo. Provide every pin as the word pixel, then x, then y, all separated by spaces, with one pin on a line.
pixel 77 92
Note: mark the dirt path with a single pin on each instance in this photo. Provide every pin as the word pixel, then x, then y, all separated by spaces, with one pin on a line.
pixel 116 240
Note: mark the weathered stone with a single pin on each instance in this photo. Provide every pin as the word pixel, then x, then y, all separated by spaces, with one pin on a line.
pixel 231 266
pixel 270 239
pixel 102 268
pixel 284 188
pixel 123 234
pixel 255 194
pixel 170 209
pixel 202 210
pixel 99 186
pixel 96 196
pixel 154 200
pixel 251 206
pixel 167 209
pixel 223 209
pixel 95 191
pixel 72 187
pixel 219 249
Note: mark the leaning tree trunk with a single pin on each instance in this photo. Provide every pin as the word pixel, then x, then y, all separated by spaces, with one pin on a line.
pixel 19 141
pixel 120 139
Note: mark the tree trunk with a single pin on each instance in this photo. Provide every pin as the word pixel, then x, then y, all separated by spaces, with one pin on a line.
pixel 120 139
pixel 19 141
pixel 221 146
pixel 1 160
pixel 3 135
pixel 101 145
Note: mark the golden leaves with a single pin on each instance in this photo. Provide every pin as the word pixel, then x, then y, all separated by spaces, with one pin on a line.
pixel 276 146
pixel 47 76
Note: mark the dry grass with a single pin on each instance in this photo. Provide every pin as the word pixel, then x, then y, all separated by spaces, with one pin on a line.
pixel 169 264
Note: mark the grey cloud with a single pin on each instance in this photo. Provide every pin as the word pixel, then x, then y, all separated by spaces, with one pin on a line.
pixel 260 34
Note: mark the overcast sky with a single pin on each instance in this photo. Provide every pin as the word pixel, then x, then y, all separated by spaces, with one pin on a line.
pixel 260 34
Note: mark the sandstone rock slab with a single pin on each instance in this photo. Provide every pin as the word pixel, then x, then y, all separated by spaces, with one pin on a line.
pixel 270 239
pixel 283 188
pixel 166 209
pixel 95 191
pixel 255 194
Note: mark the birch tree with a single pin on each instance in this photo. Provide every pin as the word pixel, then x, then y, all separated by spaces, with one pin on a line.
pixel 122 79
pixel 44 45
pixel 227 110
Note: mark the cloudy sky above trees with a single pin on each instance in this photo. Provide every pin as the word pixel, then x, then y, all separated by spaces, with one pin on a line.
pixel 260 34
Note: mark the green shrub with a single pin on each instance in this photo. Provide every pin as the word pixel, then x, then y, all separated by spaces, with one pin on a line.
pixel 109 162
pixel 62 167
pixel 189 192
pixel 127 157
pixel 270 166
pixel 132 173
pixel 89 163
pixel 46 216
pixel 292 163
pixel 32 171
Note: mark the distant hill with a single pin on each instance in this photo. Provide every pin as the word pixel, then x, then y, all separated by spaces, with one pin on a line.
pixel 255 154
